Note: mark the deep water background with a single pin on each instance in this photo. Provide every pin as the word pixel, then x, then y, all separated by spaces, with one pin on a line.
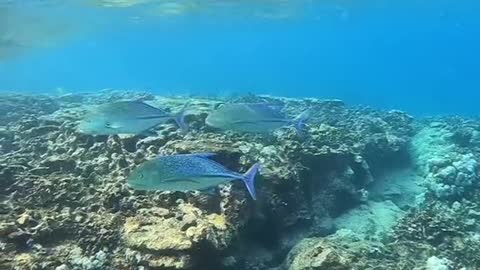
pixel 419 56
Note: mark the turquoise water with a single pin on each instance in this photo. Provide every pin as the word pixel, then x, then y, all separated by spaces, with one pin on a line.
pixel 419 56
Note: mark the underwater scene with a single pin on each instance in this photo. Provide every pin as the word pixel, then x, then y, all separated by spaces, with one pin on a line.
pixel 239 135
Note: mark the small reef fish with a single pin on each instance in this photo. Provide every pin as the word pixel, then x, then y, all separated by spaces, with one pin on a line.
pixel 127 117
pixel 253 118
pixel 186 172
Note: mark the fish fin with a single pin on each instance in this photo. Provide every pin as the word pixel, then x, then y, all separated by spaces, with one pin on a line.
pixel 180 180
pixel 273 120
pixel 112 126
pixel 153 116
pixel 267 110
pixel 202 155
pixel 209 190
pixel 249 180
pixel 180 118
pixel 300 120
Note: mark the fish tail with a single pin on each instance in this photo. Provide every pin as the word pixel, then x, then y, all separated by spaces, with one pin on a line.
pixel 180 118
pixel 300 120
pixel 249 180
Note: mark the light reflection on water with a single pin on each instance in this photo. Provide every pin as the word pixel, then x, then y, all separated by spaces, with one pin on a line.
pixel 34 24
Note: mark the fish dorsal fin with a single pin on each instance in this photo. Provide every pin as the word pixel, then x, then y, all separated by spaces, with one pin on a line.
pixel 267 110
pixel 268 120
pixel 146 109
pixel 200 155
pixel 203 155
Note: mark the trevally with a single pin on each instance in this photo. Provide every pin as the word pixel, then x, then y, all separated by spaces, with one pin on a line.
pixel 252 117
pixel 127 117
pixel 187 172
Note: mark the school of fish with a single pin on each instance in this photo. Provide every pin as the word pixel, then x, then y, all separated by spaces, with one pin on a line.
pixel 187 172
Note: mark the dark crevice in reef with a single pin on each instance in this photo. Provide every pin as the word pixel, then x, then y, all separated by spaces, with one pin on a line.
pixel 207 257
pixel 263 229
pixel 325 183
pixel 384 164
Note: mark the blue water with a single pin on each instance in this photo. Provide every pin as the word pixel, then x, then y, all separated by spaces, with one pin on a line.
pixel 419 56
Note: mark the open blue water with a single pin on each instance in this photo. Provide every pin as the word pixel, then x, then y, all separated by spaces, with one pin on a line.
pixel 419 56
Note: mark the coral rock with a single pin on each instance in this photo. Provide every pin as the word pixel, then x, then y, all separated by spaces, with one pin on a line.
pixel 171 241
pixel 317 254
pixel 155 234
pixel 170 262
pixel 6 229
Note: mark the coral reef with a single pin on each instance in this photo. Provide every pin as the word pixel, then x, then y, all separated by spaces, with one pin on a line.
pixel 409 187
pixel 439 231
pixel 166 240
pixel 451 169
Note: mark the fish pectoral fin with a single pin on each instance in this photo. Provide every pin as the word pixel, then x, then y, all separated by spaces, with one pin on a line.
pixel 244 122
pixel 112 126
pixel 210 190
pixel 258 121
pixel 153 116
pixel 181 180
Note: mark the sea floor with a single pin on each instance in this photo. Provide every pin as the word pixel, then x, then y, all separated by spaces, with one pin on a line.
pixel 362 189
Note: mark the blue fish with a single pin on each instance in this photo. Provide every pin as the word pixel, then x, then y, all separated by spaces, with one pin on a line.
pixel 187 172
pixel 253 118
pixel 127 117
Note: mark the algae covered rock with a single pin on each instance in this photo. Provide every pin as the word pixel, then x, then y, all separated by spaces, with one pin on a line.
pixel 340 251
pixel 172 241
pixel 156 234
pixel 317 254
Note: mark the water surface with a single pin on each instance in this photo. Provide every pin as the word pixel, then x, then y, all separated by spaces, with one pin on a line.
pixel 420 56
